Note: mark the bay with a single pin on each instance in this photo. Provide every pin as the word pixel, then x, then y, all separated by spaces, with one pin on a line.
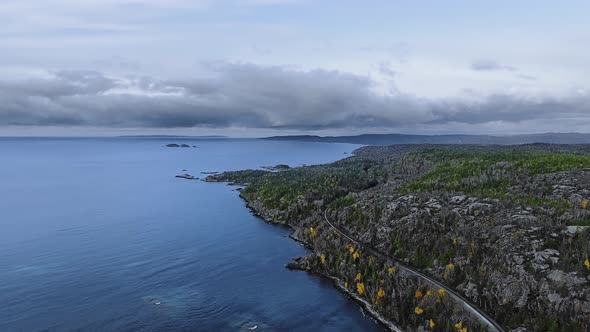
pixel 97 234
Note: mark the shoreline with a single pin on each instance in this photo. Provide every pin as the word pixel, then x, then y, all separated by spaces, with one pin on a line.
pixel 364 305
pixel 336 283
pixel 485 244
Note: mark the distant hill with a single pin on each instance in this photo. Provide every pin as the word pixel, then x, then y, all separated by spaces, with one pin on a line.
pixel 172 136
pixel 388 139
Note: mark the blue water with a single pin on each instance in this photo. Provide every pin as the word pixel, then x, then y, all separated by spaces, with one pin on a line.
pixel 95 232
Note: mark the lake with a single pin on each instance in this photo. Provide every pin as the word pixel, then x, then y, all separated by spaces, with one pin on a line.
pixel 97 234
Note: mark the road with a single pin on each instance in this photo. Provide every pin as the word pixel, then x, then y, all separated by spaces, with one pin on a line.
pixel 482 316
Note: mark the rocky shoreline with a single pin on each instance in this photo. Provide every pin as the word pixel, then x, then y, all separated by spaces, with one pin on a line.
pixel 298 263
pixel 505 228
pixel 303 263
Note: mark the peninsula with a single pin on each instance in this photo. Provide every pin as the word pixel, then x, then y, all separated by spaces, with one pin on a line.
pixel 443 237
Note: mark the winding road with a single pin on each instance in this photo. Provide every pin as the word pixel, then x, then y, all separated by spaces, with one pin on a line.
pixel 482 316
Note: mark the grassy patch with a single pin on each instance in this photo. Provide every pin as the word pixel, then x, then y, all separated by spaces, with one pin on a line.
pixel 580 222
pixel 491 173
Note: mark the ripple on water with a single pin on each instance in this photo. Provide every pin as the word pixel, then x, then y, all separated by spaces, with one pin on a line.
pixel 180 302
pixel 247 322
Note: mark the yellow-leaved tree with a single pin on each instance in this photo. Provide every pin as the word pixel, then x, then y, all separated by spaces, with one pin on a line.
pixel 360 288
pixel 419 294
pixel 380 294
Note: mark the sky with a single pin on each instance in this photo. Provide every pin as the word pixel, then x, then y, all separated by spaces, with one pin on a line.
pixel 265 67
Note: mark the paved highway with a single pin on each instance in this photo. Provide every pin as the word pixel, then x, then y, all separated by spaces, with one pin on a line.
pixel 483 317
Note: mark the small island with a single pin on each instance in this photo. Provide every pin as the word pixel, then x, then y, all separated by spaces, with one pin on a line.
pixel 187 176
pixel 174 145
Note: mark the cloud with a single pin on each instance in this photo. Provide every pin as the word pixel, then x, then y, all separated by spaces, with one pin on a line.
pixel 397 50
pixel 117 63
pixel 254 96
pixel 526 77
pixel 386 70
pixel 513 109
pixel 489 65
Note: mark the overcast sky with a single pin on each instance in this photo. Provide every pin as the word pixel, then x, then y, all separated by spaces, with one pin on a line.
pixel 256 67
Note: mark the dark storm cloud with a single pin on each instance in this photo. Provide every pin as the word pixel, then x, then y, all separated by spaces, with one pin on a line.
pixel 64 83
pixel 511 109
pixel 251 96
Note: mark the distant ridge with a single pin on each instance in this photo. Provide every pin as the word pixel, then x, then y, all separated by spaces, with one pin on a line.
pixel 388 139
pixel 172 136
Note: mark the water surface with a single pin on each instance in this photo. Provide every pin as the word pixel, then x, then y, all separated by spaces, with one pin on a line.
pixel 98 235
